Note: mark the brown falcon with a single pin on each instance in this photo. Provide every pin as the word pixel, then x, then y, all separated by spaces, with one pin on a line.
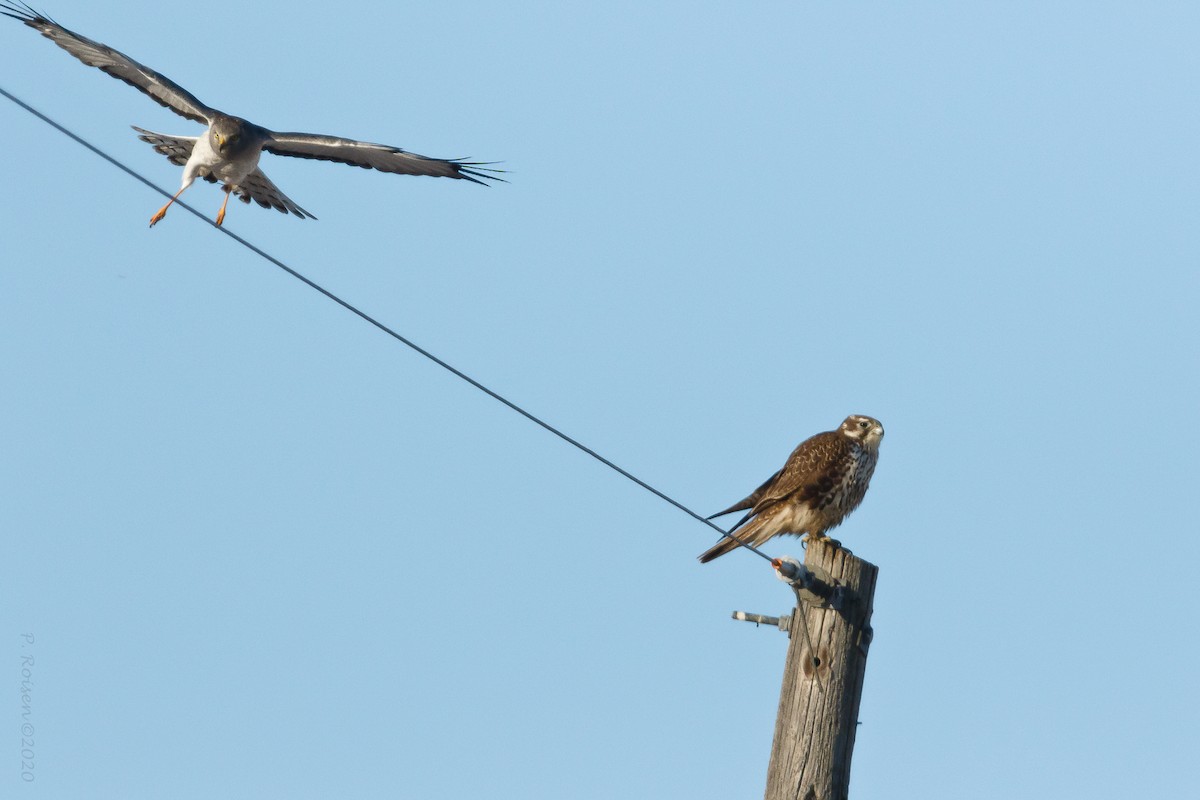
pixel 824 479
pixel 229 150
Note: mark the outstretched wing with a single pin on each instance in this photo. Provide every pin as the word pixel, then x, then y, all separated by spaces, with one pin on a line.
pixel 160 88
pixel 376 156
pixel 258 187
pixel 177 149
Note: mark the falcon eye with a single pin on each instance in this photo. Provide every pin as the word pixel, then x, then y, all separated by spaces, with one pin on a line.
pixel 863 423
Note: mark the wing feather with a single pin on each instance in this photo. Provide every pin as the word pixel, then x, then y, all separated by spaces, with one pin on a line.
pixel 158 87
pixel 750 501
pixel 382 157
pixel 258 187
pixel 177 149
pixel 807 472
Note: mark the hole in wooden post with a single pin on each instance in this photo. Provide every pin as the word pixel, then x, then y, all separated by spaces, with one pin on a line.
pixel 814 663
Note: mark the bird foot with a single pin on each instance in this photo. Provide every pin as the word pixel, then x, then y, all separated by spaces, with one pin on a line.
pixel 221 214
pixel 162 212
pixel 836 545
pixel 826 541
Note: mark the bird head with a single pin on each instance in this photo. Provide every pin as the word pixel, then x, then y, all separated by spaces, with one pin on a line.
pixel 225 135
pixel 867 430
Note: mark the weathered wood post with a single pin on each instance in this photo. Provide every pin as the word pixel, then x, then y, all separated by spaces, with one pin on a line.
pixel 818 705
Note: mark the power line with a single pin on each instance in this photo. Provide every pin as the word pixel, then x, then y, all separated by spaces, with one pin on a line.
pixel 398 337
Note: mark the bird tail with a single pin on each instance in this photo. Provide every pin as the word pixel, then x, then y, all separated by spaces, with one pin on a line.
pixel 719 549
pixel 748 534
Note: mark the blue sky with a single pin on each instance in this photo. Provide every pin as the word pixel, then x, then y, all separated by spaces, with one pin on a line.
pixel 266 551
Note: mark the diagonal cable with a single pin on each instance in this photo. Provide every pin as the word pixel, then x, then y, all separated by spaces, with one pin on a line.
pixel 398 337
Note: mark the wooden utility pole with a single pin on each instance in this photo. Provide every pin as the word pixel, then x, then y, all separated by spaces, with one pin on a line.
pixel 818 705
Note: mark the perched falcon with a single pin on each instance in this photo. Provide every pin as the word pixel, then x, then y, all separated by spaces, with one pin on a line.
pixel 824 479
pixel 229 150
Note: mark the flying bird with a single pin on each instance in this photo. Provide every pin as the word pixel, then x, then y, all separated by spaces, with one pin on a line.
pixel 229 150
pixel 824 479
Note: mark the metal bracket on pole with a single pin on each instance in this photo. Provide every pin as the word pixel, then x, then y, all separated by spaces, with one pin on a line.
pixel 814 585
pixel 783 623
